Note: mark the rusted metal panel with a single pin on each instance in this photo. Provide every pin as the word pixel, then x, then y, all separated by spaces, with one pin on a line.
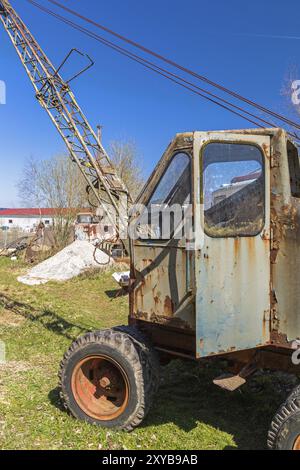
pixel 285 266
pixel 233 276
pixel 233 304
pixel 267 357
pixel 179 341
pixel 160 294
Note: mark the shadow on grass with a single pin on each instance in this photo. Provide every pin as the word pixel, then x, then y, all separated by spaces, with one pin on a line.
pixel 187 399
pixel 55 400
pixel 116 293
pixel 47 318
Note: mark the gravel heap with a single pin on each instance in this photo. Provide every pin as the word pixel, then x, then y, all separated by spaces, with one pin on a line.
pixel 68 263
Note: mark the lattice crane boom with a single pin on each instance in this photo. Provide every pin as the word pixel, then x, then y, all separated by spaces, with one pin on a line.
pixel 55 96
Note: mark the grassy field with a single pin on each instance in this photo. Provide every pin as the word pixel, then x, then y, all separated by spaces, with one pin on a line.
pixel 38 324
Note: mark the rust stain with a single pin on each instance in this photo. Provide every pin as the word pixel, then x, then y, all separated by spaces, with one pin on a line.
pixel 265 236
pixel 266 325
pixel 251 247
pixel 266 151
pixel 168 306
pixel 153 318
pixel 147 261
pixel 274 254
pixel 279 338
pixel 236 247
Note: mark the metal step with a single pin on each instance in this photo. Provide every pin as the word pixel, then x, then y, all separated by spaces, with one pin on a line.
pixel 232 382
pixel 229 382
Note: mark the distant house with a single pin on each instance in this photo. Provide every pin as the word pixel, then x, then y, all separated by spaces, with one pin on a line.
pixel 26 219
pixel 236 184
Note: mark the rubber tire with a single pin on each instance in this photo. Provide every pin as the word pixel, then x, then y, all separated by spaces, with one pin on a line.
pixel 148 357
pixel 294 394
pixel 137 359
pixel 285 427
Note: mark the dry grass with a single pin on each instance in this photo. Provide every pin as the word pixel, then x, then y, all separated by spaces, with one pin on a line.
pixel 8 318
pixel 38 325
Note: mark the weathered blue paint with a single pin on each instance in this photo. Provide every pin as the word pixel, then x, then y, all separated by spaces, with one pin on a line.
pixel 233 277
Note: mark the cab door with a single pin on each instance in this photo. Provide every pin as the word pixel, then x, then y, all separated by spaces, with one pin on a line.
pixel 233 261
pixel 162 291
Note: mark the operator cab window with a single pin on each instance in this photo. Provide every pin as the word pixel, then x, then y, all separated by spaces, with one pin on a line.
pixel 233 190
pixel 167 205
pixel 294 168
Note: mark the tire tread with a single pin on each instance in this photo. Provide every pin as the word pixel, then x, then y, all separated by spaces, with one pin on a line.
pixel 286 412
pixel 132 344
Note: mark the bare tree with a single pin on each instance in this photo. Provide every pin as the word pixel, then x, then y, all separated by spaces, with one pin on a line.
pixel 58 183
pixel 55 183
pixel 127 161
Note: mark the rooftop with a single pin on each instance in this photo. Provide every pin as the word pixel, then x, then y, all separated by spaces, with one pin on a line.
pixel 31 212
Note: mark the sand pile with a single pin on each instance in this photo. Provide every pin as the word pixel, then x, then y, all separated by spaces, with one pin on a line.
pixel 68 263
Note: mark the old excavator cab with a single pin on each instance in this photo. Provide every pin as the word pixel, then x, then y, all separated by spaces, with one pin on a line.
pixel 233 286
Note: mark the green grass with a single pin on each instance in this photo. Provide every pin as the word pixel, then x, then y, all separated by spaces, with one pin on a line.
pixel 38 324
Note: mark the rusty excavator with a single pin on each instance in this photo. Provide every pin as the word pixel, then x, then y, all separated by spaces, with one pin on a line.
pixel 232 294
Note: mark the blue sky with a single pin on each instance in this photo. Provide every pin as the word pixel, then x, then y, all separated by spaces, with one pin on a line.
pixel 219 39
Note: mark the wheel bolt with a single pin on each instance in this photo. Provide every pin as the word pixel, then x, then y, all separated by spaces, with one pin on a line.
pixel 104 382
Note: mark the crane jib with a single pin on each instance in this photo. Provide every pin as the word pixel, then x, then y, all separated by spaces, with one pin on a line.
pixel 55 96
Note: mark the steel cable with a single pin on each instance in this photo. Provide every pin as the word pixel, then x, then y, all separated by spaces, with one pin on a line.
pixel 175 64
pixel 163 72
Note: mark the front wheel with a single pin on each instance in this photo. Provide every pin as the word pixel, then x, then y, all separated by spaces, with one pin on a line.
pixel 109 378
pixel 284 433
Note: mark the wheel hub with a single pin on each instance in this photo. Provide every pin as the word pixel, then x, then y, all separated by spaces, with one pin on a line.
pixel 105 383
pixel 100 387
pixel 297 444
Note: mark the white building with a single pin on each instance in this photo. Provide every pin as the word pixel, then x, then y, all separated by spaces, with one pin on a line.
pixel 25 219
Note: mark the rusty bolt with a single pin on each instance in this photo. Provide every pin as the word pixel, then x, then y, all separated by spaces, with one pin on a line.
pixel 105 382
